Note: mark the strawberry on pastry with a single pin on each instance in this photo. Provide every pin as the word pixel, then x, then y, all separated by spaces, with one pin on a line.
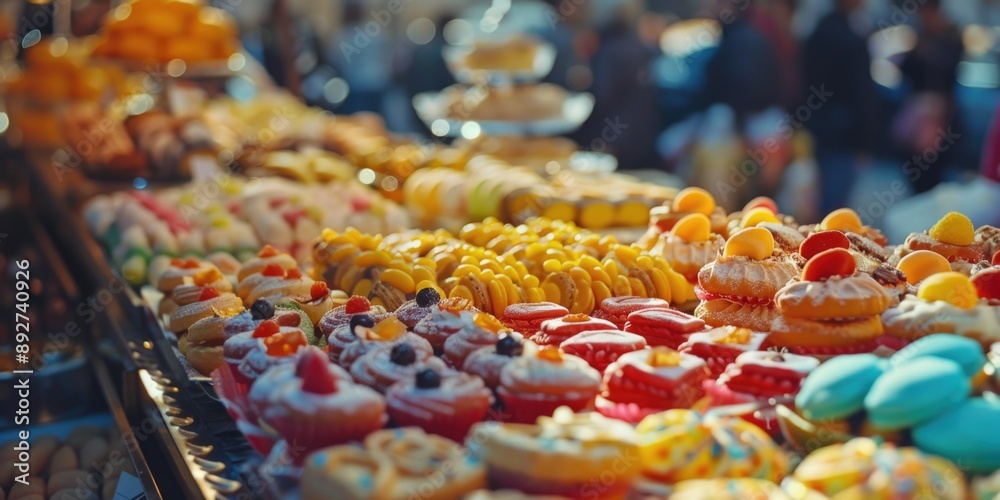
pixel 721 346
pixel 665 327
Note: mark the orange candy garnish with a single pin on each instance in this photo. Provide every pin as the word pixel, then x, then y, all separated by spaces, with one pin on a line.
pixel 273 270
pixel 208 293
pixel 737 336
pixel 550 353
pixel 693 228
pixel 293 274
pixel 210 275
pixel 954 229
pixel 663 356
pixel 285 344
pixel 576 318
pixel 829 263
pixel 693 199
pixel 177 262
pixel 455 305
pixel 267 251
pixel 842 219
pixel 756 243
pixel 821 241
pixel 917 266
pixel 388 329
pixel 318 290
pixel 951 287
pixel 757 215
pixel 488 322
pixel 266 328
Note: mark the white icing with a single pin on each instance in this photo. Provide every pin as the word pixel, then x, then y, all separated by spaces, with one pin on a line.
pixel 640 360
pixel 799 364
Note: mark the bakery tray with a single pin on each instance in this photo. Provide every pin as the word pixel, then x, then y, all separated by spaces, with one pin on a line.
pixel 195 440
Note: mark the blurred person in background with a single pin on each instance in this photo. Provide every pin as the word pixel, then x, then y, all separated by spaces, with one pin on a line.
pixel 744 72
pixel 363 57
pixel 930 111
pixel 773 18
pixel 625 120
pixel 574 43
pixel 839 101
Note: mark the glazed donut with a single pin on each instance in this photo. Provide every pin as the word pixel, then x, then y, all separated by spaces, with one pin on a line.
pixel 721 312
pixel 185 316
pixel 744 277
pixel 850 297
pixel 920 241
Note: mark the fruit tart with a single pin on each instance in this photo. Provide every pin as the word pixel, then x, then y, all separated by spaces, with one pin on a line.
pixel 600 348
pixel 688 201
pixel 544 379
pixel 293 284
pixel 664 327
pixel 412 311
pixel 389 331
pixel 738 288
pixel 341 315
pixel 945 302
pixel 250 354
pixel 618 309
pixel 527 318
pixel 487 362
pixel 649 381
pixel 953 237
pixel 556 331
pixel 722 345
pixel 189 292
pixel 387 364
pixel 439 401
pixel 447 317
pixel 302 409
pixel 480 330
pixel 267 256
pixel 832 310
pixel 319 301
pixel 689 245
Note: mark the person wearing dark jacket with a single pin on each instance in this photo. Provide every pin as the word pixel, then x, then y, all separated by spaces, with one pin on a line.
pixel 839 102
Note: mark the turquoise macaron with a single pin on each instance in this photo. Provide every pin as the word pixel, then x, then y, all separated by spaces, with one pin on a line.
pixel 916 392
pixel 965 435
pixel 964 351
pixel 837 388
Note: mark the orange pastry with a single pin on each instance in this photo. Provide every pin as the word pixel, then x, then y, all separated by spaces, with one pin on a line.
pixel 952 237
pixel 831 310
pixel 738 288
pixel 848 221
pixel 945 302
pixel 691 200
pixel 921 264
pixel 689 245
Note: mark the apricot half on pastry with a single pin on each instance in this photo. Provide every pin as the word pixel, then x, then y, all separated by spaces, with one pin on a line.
pixel 920 264
pixel 842 219
pixel 693 228
pixel 693 199
pixel 757 215
pixel 954 229
pixel 821 241
pixel 829 263
pixel 951 287
pixel 756 243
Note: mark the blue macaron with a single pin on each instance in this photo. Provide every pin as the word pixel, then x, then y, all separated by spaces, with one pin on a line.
pixel 916 392
pixel 838 387
pixel 964 351
pixel 965 435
